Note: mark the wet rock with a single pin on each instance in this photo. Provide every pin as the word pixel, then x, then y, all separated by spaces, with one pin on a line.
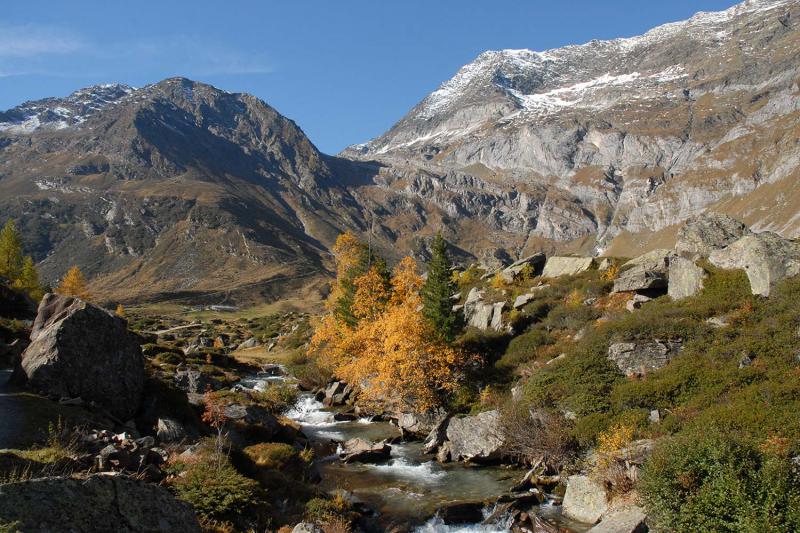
pixel 703 234
pixel 637 358
pixel 685 278
pixel 344 417
pixel 475 438
pixel 364 451
pixel 767 258
pixel 566 266
pixel 170 430
pixel 585 500
pixel 80 350
pixel 461 513
pixel 98 503
pixel 628 519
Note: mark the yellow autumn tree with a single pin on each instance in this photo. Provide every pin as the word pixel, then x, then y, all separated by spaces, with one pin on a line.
pixel 120 311
pixel 392 351
pixel 74 284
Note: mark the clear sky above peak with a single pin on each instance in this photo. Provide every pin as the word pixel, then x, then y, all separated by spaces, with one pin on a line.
pixel 344 71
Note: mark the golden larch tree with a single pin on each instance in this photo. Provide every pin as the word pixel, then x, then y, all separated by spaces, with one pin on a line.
pixel 74 284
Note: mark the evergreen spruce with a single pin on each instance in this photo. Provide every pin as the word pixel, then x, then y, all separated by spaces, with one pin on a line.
pixel 438 290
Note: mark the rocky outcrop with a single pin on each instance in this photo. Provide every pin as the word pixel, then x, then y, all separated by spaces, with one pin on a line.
pixel 480 314
pixel 533 263
pixel 98 503
pixel 79 350
pixel 364 451
pixel 766 257
pixel 566 266
pixel 420 424
pixel 336 393
pixel 626 519
pixel 638 358
pixel 647 272
pixel 703 234
pixel 170 430
pixel 475 438
pixel 685 278
pixel 585 500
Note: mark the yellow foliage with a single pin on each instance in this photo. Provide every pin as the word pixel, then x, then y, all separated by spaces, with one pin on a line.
pixel 498 281
pixel 610 274
pixel 394 355
pixel 347 252
pixel 612 441
pixel 74 284
pixel 574 298
pixel 120 311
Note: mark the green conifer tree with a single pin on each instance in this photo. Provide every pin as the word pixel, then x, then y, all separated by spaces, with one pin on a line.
pixel 28 280
pixel 438 290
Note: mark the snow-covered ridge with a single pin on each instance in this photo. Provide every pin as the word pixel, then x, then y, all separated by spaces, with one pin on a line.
pixel 60 113
pixel 549 75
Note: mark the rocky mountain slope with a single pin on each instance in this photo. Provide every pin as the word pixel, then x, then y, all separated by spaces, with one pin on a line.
pixel 177 189
pixel 181 191
pixel 589 144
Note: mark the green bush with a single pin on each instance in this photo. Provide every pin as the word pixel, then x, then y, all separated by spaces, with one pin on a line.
pixel 709 481
pixel 524 348
pixel 273 455
pixel 215 489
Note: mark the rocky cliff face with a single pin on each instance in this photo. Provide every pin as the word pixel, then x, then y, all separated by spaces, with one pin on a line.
pixel 591 143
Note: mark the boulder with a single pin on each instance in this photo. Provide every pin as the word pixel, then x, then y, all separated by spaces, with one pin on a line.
pixel 250 423
pixel 636 302
pixel 420 424
pixel 437 436
pixel 585 500
pixel 646 272
pixel 512 272
pixel 191 380
pixel 80 350
pixel 685 278
pixel 523 300
pixel 497 316
pixel 703 234
pixel 638 358
pixel 475 438
pixel 364 451
pixel 766 257
pixel 479 315
pixel 461 513
pixel 307 527
pixel 100 502
pixel 566 266
pixel 626 519
pixel 170 430
pixel 252 342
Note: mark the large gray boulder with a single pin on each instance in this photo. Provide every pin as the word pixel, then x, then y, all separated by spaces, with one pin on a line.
pixel 766 257
pixel 80 350
pixel 420 424
pixel 475 438
pixel 638 358
pixel 364 451
pixel 585 500
pixel 685 278
pixel 647 272
pixel 101 502
pixel 566 266
pixel 626 519
pixel 703 234
pixel 513 271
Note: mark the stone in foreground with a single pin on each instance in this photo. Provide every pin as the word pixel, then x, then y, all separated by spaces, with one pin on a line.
pixel 364 451
pixel 585 500
pixel 79 350
pixel 475 438
pixel 685 278
pixel 629 519
pixel 99 503
pixel 637 359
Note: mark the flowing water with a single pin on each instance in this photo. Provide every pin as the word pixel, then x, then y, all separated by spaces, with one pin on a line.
pixel 410 486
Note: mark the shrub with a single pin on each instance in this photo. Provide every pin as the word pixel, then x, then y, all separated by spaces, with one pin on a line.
pixel 277 399
pixel 531 436
pixel 273 455
pixel 524 348
pixel 215 489
pixel 323 509
pixel 710 481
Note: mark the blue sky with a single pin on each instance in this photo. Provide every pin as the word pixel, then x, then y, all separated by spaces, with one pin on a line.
pixel 344 70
